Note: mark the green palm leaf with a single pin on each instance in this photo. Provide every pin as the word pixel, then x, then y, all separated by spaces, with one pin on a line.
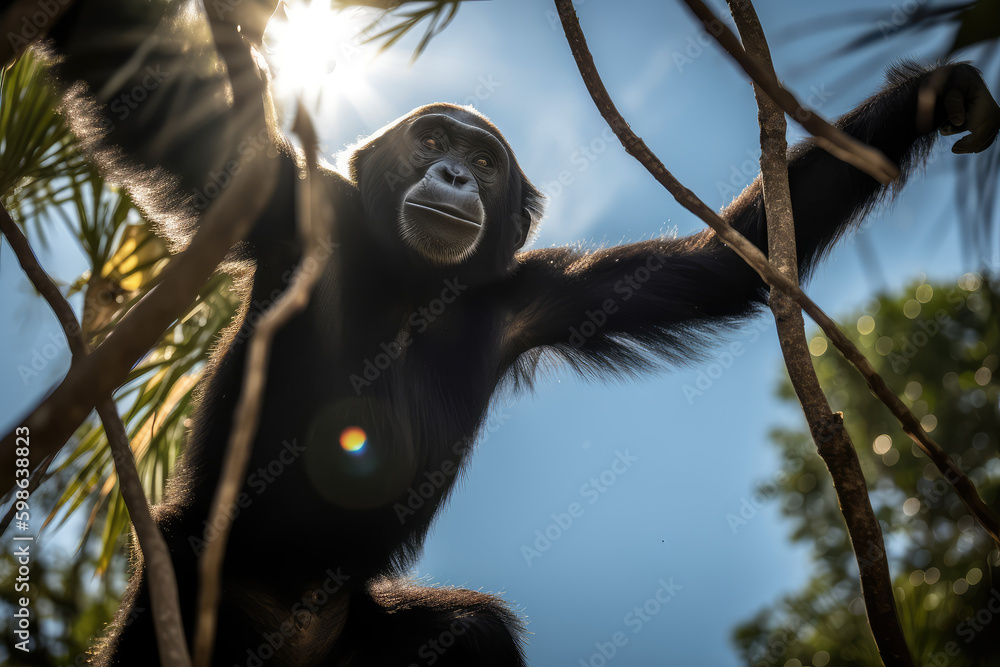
pixel 39 157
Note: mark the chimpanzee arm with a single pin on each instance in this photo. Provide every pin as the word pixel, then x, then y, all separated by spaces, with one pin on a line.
pixel 153 105
pixel 612 310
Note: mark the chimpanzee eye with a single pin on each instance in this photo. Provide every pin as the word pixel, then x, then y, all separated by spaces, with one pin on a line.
pixel 432 143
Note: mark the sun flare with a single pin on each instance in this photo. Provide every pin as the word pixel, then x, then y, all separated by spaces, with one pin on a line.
pixel 353 439
pixel 316 49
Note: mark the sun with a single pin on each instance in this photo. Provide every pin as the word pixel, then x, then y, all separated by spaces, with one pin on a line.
pixel 316 49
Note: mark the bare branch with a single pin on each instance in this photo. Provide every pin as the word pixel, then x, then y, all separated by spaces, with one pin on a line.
pixel 159 568
pixel 227 221
pixel 315 222
pixel 752 255
pixel 249 95
pixel 848 480
pixel 170 640
pixel 964 487
pixel 831 139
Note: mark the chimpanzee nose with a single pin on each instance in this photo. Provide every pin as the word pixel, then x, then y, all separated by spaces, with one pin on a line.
pixel 452 173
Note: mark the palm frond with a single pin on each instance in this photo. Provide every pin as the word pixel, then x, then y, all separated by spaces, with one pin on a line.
pixel 156 403
pixel 39 157
pixel 438 14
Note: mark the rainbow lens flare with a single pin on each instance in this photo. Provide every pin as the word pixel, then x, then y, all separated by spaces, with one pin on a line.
pixel 353 439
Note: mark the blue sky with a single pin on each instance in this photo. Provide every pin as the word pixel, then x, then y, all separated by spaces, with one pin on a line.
pixel 653 470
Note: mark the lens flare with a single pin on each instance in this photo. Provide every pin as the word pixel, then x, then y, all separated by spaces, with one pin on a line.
pixel 313 47
pixel 353 439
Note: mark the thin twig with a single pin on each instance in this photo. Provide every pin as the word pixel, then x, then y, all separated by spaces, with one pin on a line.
pixel 159 568
pixel 106 368
pixel 236 55
pixel 170 641
pixel 831 139
pixel 314 221
pixel 838 451
pixel 964 487
pixel 752 255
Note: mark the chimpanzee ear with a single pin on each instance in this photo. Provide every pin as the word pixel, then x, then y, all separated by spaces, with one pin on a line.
pixel 360 153
pixel 532 211
pixel 357 160
pixel 523 222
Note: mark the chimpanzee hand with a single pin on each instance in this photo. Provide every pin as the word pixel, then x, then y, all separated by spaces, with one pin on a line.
pixel 967 106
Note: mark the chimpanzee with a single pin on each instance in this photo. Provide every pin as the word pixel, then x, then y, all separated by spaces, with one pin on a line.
pixel 377 390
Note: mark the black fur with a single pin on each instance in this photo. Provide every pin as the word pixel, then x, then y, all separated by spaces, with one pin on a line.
pixel 317 553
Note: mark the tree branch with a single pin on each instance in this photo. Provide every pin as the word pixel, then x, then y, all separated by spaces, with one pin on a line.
pixel 838 451
pixel 315 222
pixel 224 224
pixel 752 255
pixel 159 568
pixel 831 139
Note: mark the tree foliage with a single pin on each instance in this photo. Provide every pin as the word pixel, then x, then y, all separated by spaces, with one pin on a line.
pixel 940 344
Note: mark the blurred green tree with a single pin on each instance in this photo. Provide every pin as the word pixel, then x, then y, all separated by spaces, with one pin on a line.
pixel 940 345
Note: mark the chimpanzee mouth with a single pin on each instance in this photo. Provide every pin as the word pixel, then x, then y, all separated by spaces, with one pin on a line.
pixel 448 212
